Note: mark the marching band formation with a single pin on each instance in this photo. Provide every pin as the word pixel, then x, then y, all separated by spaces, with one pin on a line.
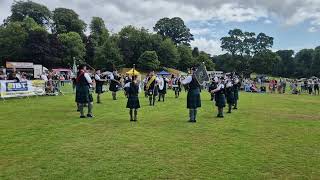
pixel 224 91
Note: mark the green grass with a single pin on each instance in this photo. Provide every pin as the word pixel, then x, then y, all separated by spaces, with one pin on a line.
pixel 271 136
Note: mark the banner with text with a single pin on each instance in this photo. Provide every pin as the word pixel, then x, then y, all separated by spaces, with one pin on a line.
pixel 20 89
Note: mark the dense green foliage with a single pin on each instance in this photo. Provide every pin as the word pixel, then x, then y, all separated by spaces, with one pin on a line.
pixel 149 61
pixel 270 137
pixel 34 33
pixel 247 53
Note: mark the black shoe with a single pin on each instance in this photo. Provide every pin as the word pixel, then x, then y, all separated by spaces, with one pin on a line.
pixel 78 110
pixel 99 103
pixel 229 112
pixel 131 120
pixel 82 117
pixel 235 108
pixel 90 116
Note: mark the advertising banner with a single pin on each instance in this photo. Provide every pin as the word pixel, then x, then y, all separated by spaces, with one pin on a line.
pixel 20 89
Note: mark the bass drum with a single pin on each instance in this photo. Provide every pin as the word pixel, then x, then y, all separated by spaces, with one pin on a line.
pixel 161 84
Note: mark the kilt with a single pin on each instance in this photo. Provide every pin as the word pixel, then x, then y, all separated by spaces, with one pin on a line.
pixel 220 100
pixel 236 95
pixel 153 92
pixel 113 87
pixel 193 99
pixel 99 89
pixel 230 97
pixel 163 91
pixel 177 89
pixel 83 95
pixel 133 102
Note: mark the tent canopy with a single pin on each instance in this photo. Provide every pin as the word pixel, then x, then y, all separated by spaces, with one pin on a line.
pixel 133 71
pixel 164 73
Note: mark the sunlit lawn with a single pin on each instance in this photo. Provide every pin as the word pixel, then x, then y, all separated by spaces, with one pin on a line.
pixel 269 137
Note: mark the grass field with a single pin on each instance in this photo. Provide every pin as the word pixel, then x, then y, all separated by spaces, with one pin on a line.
pixel 270 137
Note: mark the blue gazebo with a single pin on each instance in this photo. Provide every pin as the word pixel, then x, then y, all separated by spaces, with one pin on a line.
pixel 163 73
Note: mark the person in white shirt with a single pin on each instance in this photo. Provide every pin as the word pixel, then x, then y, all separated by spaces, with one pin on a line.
pixel 83 94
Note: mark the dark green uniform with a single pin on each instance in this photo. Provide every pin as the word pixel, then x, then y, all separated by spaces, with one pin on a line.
pixel 236 88
pixel 229 91
pixel 220 100
pixel 193 99
pixel 83 94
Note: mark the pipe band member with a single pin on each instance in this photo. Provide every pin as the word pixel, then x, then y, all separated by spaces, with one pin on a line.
pixel 114 84
pixel 176 84
pixel 132 91
pixel 219 97
pixel 162 88
pixel 99 84
pixel 236 88
pixel 83 94
pixel 152 88
pixel 229 94
pixel 193 97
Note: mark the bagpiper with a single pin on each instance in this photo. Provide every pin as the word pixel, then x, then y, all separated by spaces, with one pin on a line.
pixel 114 84
pixel 99 84
pixel 152 88
pixel 236 88
pixel 219 96
pixel 229 92
pixel 132 91
pixel 83 94
pixel 193 97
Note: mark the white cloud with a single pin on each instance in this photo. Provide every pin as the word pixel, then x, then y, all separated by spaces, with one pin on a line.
pixel 267 21
pixel 312 29
pixel 211 46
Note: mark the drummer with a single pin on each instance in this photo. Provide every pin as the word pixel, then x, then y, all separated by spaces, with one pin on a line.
pixel 163 81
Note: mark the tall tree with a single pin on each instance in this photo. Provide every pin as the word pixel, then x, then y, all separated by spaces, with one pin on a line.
pixel 149 61
pixel 264 62
pixel 315 68
pixel 186 58
pixel 195 52
pixel 263 42
pixel 303 60
pixel 66 20
pixel 287 66
pixel 175 29
pixel 168 54
pixel 234 42
pixel 133 42
pixel 205 58
pixel 73 47
pixel 22 9
pixel 12 40
pixel 108 56
pixel 99 32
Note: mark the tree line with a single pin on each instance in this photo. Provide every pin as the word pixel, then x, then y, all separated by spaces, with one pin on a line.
pixel 250 53
pixel 55 38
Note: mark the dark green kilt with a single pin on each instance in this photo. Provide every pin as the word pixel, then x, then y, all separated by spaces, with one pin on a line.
pixel 153 92
pixel 113 87
pixel 220 100
pixel 83 94
pixel 133 102
pixel 177 89
pixel 99 89
pixel 236 95
pixel 163 91
pixel 193 99
pixel 230 97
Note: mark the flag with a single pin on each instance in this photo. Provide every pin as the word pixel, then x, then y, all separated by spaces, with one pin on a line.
pixel 202 74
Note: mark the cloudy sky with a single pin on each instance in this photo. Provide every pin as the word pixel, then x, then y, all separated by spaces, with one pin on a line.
pixel 295 24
